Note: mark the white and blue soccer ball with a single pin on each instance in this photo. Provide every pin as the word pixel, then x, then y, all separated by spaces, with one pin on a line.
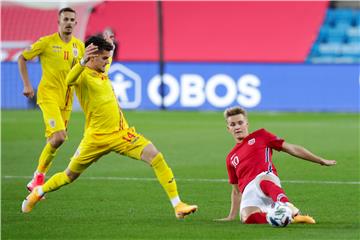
pixel 279 215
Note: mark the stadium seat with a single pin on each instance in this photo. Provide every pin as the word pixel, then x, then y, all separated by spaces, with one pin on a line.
pixel 331 49
pixel 353 31
pixel 351 49
pixel 336 38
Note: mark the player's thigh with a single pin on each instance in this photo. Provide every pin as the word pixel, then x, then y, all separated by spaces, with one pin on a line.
pixel 253 197
pixel 130 143
pixel 89 151
pixel 52 118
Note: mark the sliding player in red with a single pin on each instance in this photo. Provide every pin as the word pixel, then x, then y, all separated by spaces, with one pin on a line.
pixel 255 184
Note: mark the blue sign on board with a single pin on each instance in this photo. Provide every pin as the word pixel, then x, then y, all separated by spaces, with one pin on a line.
pixel 213 86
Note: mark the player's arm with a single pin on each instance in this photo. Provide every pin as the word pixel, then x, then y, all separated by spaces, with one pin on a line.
pixel 73 75
pixel 235 204
pixel 36 49
pixel 303 153
pixel 28 90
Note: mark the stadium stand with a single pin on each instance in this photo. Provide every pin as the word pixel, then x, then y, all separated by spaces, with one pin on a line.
pixel 24 23
pixel 338 40
pixel 323 35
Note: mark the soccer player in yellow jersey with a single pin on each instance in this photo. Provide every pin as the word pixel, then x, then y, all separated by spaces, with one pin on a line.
pixel 106 130
pixel 58 53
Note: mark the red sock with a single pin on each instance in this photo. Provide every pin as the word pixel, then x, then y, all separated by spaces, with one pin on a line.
pixel 258 217
pixel 272 190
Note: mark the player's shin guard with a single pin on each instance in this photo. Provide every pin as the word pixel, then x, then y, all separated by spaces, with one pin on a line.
pixel 46 158
pixel 273 191
pixel 256 218
pixel 55 182
pixel 166 178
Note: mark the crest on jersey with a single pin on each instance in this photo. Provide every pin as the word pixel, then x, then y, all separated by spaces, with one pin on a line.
pixel 251 141
pixel 52 123
pixel 234 160
pixel 75 52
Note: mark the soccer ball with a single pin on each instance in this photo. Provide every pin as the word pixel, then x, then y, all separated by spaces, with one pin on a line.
pixel 279 215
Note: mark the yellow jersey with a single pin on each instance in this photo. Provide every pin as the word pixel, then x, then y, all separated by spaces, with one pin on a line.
pixel 98 101
pixel 57 58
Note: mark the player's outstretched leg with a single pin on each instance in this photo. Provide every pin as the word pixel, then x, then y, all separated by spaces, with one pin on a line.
pixel 29 203
pixel 276 193
pixel 167 181
pixel 298 217
pixel 55 182
pixel 183 209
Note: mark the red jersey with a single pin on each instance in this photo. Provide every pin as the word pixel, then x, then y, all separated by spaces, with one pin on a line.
pixel 251 157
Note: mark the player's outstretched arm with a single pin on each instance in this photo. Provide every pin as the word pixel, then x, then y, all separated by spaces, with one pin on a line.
pixel 303 153
pixel 235 204
pixel 28 90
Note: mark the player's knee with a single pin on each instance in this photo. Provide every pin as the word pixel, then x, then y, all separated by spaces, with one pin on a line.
pixel 58 139
pixel 243 217
pixel 72 175
pixel 149 153
pixel 246 212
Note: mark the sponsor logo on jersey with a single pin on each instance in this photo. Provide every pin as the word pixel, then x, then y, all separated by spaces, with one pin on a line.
pixel 75 52
pixel 251 141
pixel 56 48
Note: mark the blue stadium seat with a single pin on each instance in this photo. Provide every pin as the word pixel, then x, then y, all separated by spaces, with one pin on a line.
pixel 330 17
pixel 336 32
pixel 344 14
pixel 330 49
pixel 354 39
pixel 356 19
pixel 344 59
pixel 343 24
pixel 353 31
pixel 336 39
pixel 351 49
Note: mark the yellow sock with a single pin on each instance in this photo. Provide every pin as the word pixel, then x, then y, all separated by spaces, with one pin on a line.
pixel 55 182
pixel 46 158
pixel 165 176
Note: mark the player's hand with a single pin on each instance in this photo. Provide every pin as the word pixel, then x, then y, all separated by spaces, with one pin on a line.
pixel 28 91
pixel 325 162
pixel 90 51
pixel 227 219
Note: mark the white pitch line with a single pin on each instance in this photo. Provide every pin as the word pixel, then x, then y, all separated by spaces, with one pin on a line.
pixel 195 180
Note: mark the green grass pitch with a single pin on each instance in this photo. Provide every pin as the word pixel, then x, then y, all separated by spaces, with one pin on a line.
pixel 118 198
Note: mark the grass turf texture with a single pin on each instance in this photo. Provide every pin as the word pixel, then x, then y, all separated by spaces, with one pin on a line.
pixel 195 145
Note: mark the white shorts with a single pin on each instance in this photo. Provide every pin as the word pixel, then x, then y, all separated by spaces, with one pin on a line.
pixel 253 196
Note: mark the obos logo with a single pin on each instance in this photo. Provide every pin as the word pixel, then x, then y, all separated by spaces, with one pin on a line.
pixel 220 90
pixel 127 86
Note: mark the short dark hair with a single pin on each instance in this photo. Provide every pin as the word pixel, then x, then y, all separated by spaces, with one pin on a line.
pixel 234 111
pixel 66 9
pixel 100 42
